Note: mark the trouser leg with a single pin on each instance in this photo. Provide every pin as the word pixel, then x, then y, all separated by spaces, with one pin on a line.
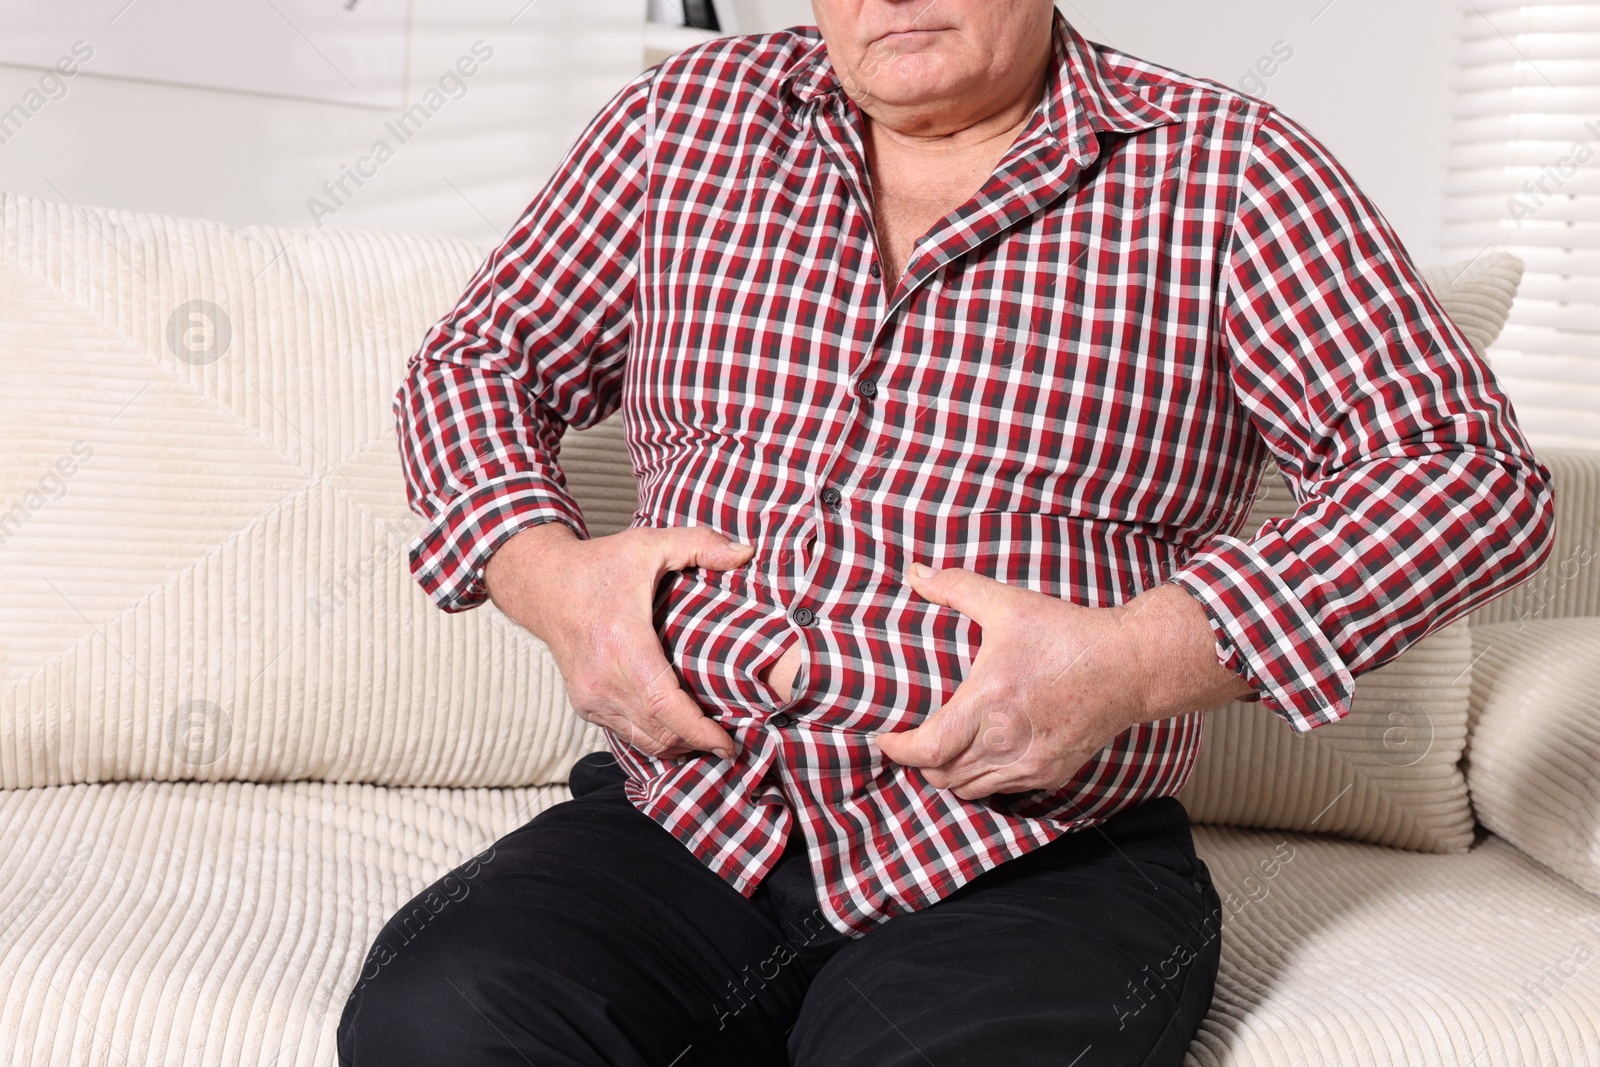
pixel 1099 949
pixel 588 937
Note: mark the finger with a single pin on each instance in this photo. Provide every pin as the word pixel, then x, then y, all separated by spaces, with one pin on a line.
pixel 668 707
pixel 1011 780
pixel 677 712
pixel 661 745
pixel 974 763
pixel 981 780
pixel 974 595
pixel 649 735
pixel 633 729
pixel 943 736
pixel 643 690
pixel 987 785
pixel 700 546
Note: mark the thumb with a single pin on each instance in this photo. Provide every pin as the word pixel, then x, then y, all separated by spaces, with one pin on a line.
pixel 701 546
pixel 972 594
pixel 940 738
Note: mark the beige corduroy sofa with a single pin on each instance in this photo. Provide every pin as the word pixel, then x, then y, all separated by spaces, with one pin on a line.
pixel 235 737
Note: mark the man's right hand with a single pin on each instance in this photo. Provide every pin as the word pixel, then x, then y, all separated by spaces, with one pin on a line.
pixel 592 603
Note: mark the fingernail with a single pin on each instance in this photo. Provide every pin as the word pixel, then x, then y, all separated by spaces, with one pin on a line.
pixel 921 570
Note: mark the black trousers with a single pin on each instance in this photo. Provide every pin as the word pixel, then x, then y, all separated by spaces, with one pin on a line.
pixel 591 936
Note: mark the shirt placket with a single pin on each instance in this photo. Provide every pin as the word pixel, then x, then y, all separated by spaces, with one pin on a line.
pixel 859 266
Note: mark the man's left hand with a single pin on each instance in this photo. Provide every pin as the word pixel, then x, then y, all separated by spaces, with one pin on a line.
pixel 1054 682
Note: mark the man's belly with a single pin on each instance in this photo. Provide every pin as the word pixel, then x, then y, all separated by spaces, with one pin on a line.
pixel 779 675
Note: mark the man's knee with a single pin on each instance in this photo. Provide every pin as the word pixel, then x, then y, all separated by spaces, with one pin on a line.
pixel 433 987
pixel 416 998
pixel 529 968
pixel 440 999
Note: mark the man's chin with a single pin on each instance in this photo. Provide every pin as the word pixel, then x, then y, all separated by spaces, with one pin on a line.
pixel 919 79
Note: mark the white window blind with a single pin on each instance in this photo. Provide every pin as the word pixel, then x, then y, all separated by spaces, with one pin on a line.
pixel 1525 177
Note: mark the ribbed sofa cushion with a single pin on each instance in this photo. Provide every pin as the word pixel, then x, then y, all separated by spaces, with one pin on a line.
pixel 1533 764
pixel 203 526
pixel 1337 954
pixel 199 924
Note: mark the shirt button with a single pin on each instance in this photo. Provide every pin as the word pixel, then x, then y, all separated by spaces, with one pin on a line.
pixel 867 388
pixel 804 616
pixel 781 720
pixel 831 497
pixel 875 270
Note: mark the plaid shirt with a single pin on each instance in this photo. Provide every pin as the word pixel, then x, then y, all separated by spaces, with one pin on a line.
pixel 1073 388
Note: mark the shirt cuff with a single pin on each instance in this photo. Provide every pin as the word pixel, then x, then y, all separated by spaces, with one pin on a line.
pixel 447 560
pixel 1264 631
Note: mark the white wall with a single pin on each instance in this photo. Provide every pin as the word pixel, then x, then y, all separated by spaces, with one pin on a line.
pixel 244 158
pixel 1370 77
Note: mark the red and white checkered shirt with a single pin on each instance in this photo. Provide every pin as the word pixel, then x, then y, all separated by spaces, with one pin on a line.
pixel 1073 389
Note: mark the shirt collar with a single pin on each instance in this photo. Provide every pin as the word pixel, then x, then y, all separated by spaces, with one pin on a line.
pixel 811 74
pixel 1083 94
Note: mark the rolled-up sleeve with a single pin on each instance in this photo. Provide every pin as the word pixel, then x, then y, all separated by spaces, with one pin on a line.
pixel 536 344
pixel 1418 496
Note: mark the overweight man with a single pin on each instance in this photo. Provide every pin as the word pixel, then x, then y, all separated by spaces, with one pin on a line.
pixel 949 349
